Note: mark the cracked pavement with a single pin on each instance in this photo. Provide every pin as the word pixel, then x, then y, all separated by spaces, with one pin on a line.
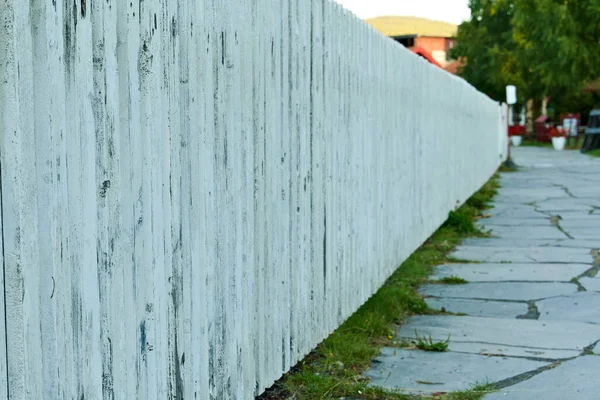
pixel 528 320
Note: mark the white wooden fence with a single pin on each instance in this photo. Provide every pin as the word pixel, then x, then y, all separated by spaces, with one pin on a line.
pixel 195 193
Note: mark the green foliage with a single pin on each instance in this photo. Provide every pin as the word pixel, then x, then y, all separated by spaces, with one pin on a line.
pixel 559 40
pixel 545 47
pixel 461 223
pixel 452 280
pixel 427 344
pixel 486 43
pixel 476 393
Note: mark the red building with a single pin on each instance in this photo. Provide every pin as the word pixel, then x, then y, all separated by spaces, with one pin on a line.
pixel 432 40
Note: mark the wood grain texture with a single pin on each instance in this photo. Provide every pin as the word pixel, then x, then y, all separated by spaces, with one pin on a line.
pixel 194 194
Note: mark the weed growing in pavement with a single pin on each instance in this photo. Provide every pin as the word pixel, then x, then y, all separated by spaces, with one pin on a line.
pixel 427 343
pixel 452 280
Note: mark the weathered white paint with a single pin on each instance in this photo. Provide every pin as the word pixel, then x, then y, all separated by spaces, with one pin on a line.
pixel 196 193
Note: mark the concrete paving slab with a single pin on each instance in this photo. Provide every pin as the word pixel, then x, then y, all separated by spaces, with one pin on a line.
pixel 494 350
pixel 512 242
pixel 558 206
pixel 574 379
pixel 565 215
pixel 524 254
pixel 527 195
pixel 585 233
pixel 582 307
pixel 558 335
pixel 596 350
pixel 588 201
pixel 515 291
pixel 524 231
pixel 421 372
pixel 509 211
pixel 591 284
pixel 479 308
pixel 589 222
pixel 585 191
pixel 579 244
pixel 515 222
pixel 494 272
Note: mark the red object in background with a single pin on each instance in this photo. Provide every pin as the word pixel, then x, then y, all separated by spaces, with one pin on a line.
pixel 517 130
pixel 542 129
pixel 426 55
pixel 557 132
pixel 576 117
pixel 571 116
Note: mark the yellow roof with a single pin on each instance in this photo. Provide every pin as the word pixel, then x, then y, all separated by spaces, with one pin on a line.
pixel 399 26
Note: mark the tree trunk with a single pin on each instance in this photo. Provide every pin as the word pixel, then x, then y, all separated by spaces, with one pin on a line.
pixel 545 106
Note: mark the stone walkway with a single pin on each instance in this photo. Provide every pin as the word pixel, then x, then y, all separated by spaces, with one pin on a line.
pixel 532 304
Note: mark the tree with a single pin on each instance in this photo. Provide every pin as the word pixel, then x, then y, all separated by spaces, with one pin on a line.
pixel 558 40
pixel 486 46
pixel 545 47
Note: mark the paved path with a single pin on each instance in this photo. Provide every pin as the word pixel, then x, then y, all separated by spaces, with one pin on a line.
pixel 532 304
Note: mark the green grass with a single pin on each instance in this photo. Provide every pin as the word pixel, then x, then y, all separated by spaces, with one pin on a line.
pixel 535 143
pixel 454 260
pixel 334 369
pixel 451 280
pixel 505 168
pixel 427 344
pixel 476 393
pixel 595 153
pixel 571 145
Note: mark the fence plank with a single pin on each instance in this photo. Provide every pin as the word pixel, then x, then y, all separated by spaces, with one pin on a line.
pixel 195 195
pixel 3 359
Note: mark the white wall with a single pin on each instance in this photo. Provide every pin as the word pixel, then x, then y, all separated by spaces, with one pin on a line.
pixel 196 193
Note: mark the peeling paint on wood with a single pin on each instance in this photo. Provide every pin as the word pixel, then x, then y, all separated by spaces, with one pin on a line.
pixel 193 196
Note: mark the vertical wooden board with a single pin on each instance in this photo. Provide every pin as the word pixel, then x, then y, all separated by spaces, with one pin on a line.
pixel 134 147
pixel 76 289
pixel 261 205
pixel 166 211
pixel 349 301
pixel 329 110
pixel 246 217
pixel 88 196
pixel 179 105
pixel 223 265
pixel 7 105
pixel 66 178
pixel 124 106
pixel 197 379
pixel 235 141
pixel 187 277
pixel 302 342
pixel 48 124
pixel 148 177
pixel 316 168
pixel 175 102
pixel 111 234
pixel 336 174
pixel 3 347
pixel 276 70
pixel 17 146
pixel 292 155
pixel 211 246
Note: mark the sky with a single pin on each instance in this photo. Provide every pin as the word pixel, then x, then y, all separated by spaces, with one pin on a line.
pixel 454 11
